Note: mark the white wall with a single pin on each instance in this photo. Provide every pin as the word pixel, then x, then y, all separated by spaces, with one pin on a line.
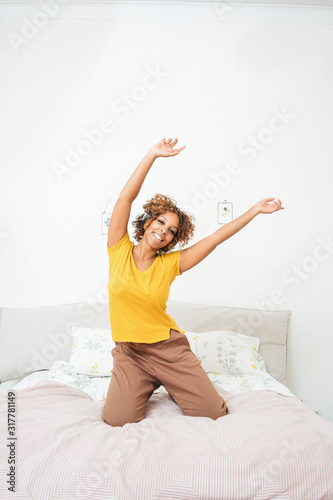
pixel 224 78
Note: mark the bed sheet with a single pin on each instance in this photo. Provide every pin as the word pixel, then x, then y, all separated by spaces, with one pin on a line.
pixel 97 387
pixel 269 446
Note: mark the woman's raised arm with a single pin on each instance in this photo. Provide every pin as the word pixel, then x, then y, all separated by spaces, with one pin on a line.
pixel 122 209
pixel 162 148
pixel 194 254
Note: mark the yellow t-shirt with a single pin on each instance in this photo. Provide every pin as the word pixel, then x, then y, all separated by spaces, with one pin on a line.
pixel 137 300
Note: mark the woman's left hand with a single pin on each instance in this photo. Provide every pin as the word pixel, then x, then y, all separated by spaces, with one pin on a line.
pixel 166 148
pixel 264 207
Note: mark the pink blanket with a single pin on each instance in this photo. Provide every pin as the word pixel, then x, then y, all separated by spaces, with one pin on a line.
pixel 269 447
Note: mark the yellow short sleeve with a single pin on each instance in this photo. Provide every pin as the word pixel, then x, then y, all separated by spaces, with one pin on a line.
pixel 124 240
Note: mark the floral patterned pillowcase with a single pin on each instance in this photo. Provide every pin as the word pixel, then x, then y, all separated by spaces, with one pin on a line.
pixel 219 352
pixel 91 353
pixel 227 352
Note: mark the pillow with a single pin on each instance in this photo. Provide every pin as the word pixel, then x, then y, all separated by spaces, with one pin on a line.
pixel 91 353
pixel 271 327
pixel 219 352
pixel 227 352
pixel 33 338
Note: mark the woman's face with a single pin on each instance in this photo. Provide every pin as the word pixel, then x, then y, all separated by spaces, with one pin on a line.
pixel 162 230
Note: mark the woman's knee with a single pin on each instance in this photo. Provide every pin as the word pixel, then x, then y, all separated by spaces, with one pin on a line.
pixel 118 419
pixel 213 411
pixel 221 410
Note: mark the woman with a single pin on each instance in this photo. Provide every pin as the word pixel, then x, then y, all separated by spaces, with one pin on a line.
pixel 151 350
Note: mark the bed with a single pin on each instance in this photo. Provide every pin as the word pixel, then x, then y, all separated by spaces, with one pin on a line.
pixel 56 367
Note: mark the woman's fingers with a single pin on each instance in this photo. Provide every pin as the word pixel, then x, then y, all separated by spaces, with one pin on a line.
pixel 168 147
pixel 176 151
pixel 278 204
pixel 169 142
pixel 268 208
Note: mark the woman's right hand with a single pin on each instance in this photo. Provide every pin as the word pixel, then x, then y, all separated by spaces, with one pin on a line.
pixel 165 148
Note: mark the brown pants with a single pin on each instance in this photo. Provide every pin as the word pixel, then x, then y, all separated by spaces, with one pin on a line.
pixel 139 369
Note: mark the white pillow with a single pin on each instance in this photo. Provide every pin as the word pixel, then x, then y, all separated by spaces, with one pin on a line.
pixel 91 353
pixel 219 352
pixel 227 352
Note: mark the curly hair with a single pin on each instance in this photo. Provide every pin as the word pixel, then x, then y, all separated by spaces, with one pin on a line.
pixel 153 208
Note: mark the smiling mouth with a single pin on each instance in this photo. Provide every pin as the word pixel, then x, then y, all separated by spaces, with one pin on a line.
pixel 157 237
